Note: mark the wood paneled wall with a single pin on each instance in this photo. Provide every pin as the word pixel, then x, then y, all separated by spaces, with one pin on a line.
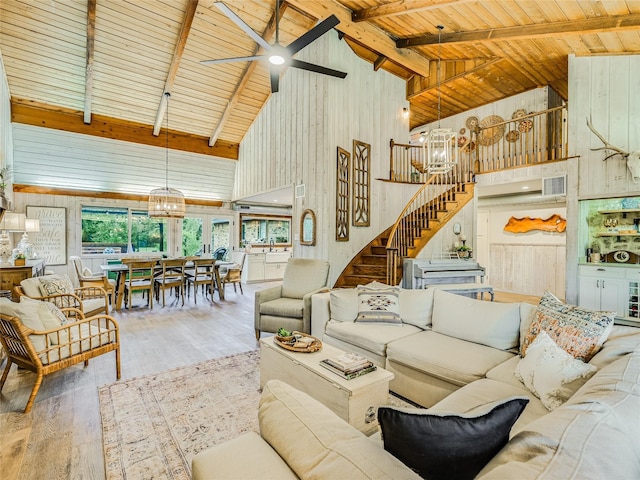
pixel 53 158
pixel 294 141
pixel 608 89
pixel 6 137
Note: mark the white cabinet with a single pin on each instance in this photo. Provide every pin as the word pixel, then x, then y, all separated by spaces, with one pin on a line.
pixel 603 288
pixel 262 267
pixel 274 271
pixel 254 266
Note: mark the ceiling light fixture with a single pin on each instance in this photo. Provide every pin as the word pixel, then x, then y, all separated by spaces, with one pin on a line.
pixel 440 152
pixel 166 202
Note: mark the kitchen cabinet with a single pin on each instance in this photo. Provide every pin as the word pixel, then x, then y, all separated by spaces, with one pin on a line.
pixel 254 268
pixel 264 267
pixel 610 287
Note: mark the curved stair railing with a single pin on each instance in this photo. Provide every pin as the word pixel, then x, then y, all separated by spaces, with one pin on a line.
pixel 431 206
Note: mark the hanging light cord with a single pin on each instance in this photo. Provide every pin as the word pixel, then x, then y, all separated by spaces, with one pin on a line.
pixel 166 168
pixel 439 27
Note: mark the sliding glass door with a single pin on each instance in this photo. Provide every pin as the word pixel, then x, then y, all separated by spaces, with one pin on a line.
pixel 207 235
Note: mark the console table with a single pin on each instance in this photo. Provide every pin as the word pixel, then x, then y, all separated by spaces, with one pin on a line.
pixel 11 276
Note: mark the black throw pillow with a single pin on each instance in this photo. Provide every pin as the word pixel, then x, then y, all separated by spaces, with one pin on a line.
pixel 447 446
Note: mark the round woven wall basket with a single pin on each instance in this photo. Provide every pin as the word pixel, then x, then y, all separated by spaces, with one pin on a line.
pixel 472 123
pixel 512 136
pixel 490 133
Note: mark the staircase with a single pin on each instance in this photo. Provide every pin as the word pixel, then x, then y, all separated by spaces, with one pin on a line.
pixel 420 220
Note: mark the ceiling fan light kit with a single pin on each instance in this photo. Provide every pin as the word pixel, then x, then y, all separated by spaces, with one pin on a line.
pixel 277 55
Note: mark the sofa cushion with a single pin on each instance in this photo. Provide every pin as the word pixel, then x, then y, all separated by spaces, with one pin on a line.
pixel 579 331
pixel 547 370
pixel 593 435
pixel 621 341
pixel 55 284
pixel 283 307
pixel 343 303
pixel 31 287
pixel 449 445
pixel 221 461
pixel 29 315
pixel 416 306
pixel 493 324
pixel 316 443
pixel 379 305
pixel 527 313
pixel 373 338
pixel 484 391
pixel 451 359
pixel 51 317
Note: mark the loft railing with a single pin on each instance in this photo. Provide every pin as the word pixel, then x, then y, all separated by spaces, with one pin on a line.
pixel 528 140
pixel 423 208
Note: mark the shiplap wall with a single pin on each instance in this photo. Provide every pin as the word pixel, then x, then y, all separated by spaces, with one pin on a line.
pixel 608 89
pixel 53 158
pixel 6 137
pixel 294 139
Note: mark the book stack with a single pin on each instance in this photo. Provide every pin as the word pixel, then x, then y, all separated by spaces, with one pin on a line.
pixel 348 365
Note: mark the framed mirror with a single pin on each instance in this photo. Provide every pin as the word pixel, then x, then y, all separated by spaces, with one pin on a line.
pixel 457 228
pixel 308 228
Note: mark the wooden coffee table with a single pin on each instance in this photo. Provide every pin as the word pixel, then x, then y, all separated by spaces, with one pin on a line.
pixel 355 400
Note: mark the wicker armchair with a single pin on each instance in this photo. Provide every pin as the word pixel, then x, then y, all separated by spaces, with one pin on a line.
pixel 90 300
pixel 45 351
pixel 87 278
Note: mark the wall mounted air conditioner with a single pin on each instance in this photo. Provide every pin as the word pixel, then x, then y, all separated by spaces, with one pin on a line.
pixel 553 186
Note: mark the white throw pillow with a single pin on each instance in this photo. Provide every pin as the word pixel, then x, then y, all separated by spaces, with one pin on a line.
pixel 416 306
pixel 50 316
pixel 344 304
pixel 29 316
pixel 55 284
pixel 546 370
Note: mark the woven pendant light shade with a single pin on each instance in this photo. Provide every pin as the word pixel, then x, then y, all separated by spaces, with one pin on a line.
pixel 166 203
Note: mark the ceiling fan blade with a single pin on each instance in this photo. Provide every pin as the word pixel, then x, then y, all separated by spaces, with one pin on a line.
pixel 240 23
pixel 313 34
pixel 229 60
pixel 274 74
pixel 316 68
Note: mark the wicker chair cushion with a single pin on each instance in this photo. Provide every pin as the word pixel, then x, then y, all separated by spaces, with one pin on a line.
pixel 79 332
pixel 31 287
pixel 28 314
pixel 283 307
pixel 50 316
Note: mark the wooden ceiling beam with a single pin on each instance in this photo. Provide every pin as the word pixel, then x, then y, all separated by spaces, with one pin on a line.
pixel 175 63
pixel 88 79
pixel 379 62
pixel 522 32
pixel 68 120
pixel 40 190
pixel 365 33
pixel 402 7
pixel 420 85
pixel 267 35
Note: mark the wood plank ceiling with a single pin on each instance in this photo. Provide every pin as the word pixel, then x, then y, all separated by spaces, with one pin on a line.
pixel 102 66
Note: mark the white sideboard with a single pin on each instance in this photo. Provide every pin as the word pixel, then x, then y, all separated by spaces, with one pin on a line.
pixel 605 286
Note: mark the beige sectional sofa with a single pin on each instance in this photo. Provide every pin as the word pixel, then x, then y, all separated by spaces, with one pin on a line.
pixel 454 355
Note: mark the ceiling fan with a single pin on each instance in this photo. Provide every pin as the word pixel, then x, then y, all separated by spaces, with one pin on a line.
pixel 277 55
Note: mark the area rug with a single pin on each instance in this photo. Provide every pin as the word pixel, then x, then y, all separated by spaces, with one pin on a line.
pixel 154 425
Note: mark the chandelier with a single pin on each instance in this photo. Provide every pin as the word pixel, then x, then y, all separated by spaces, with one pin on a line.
pixel 439 148
pixel 166 202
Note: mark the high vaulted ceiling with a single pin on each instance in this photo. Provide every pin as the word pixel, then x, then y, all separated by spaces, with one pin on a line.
pixel 104 65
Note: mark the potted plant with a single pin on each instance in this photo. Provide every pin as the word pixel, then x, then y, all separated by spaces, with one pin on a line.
pixel 19 259
pixel 464 251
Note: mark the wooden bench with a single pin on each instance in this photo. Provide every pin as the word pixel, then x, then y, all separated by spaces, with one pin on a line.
pixel 467 289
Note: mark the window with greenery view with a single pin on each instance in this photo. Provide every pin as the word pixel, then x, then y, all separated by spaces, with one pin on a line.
pixel 261 230
pixel 121 230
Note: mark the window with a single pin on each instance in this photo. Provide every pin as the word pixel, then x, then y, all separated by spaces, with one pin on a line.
pixel 256 229
pixel 108 230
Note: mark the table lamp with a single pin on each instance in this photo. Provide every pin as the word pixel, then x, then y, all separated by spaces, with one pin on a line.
pixel 30 225
pixel 11 222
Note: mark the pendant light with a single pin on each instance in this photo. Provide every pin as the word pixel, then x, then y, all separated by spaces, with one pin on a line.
pixel 439 150
pixel 166 202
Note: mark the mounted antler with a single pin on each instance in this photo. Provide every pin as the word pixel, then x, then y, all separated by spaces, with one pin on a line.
pixel 632 158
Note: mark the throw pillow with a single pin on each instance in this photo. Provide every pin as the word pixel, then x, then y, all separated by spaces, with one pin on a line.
pixel 50 316
pixel 55 284
pixel 416 306
pixel 578 331
pixel 378 305
pixel 445 446
pixel 547 370
pixel 343 303
pixel 28 315
pixel 86 272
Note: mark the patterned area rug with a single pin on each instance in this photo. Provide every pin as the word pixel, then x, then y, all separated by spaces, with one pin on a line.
pixel 154 425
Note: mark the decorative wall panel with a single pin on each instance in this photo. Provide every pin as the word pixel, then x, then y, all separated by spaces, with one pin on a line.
pixel 361 184
pixel 342 195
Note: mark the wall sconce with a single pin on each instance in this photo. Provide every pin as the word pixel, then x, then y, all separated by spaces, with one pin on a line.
pixel 423 137
pixel 405 113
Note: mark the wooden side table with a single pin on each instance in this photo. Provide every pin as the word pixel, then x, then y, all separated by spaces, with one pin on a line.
pixel 11 276
pixel 355 401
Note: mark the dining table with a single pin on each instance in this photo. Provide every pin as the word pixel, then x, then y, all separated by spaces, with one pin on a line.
pixel 121 269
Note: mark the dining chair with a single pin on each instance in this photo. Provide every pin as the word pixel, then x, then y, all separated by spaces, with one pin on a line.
pixel 203 274
pixel 87 278
pixel 233 274
pixel 140 278
pixel 171 277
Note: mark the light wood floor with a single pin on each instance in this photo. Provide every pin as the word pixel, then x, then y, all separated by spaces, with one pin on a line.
pixel 62 436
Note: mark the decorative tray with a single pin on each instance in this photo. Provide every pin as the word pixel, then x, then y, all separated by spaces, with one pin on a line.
pixel 299 342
